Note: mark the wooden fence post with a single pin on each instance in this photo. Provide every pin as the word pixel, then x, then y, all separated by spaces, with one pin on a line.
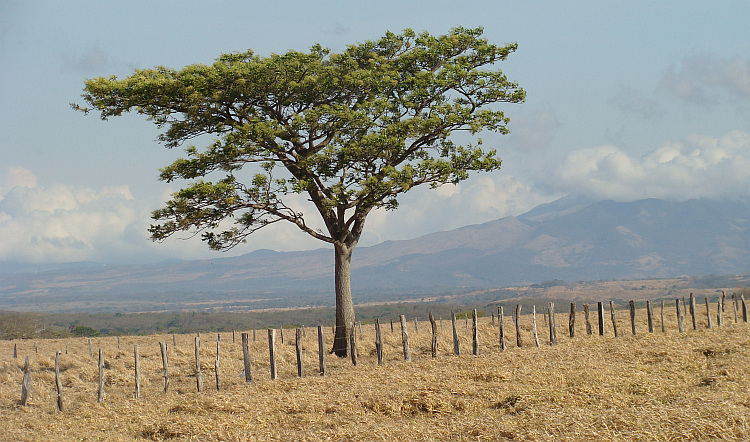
pixel 501 325
pixel 90 352
pixel 164 365
pixel 416 325
pixel 137 367
pixel 298 350
pixel 680 327
pixel 405 339
pixel 198 372
pixel 434 345
pixel 321 352
pixel 533 325
pixel 663 326
pixel 693 312
pixel 587 319
pixel 253 335
pixel 708 314
pixel 650 316
pixel 493 318
pixel 392 326
pixel 174 342
pixel 719 309
pixel 684 307
pixel 600 311
pixel 612 316
pixel 26 383
pixel 281 335
pixel 456 345
pixel 552 329
pixel 517 323
pixel 100 395
pixel 734 303
pixel 474 333
pixel 216 361
pixel 246 358
pixel 353 345
pixel 723 300
pixel 58 381
pixel 631 304
pixel 15 350
pixel 572 320
pixel 378 342
pixel 272 351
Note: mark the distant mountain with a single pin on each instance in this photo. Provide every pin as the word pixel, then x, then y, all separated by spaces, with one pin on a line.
pixel 570 239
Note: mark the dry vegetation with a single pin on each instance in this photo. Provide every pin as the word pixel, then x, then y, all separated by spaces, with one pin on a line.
pixel 661 386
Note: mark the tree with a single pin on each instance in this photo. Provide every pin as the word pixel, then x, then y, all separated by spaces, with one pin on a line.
pixel 351 131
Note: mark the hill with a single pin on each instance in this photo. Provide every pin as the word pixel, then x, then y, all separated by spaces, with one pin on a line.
pixel 568 240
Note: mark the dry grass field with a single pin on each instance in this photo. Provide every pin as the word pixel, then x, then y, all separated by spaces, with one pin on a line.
pixel 662 386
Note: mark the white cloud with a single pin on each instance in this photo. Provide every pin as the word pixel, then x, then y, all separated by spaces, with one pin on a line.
pixel 707 79
pixel 631 102
pixel 697 167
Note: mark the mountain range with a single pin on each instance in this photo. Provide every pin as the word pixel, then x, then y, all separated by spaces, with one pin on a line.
pixel 570 239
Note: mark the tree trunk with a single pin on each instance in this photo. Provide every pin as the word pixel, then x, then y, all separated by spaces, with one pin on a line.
pixel 344 304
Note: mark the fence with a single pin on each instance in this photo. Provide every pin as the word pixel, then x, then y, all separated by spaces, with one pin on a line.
pixel 178 361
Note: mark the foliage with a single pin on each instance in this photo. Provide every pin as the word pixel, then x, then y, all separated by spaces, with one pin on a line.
pixel 20 325
pixel 83 330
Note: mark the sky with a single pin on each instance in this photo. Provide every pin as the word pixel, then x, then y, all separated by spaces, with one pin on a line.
pixel 625 101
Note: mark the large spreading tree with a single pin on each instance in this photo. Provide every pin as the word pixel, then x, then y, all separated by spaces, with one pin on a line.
pixel 351 131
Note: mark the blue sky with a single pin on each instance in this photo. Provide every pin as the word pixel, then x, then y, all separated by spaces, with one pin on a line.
pixel 625 100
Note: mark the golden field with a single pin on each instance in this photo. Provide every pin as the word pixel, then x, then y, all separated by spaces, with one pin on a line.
pixel 662 386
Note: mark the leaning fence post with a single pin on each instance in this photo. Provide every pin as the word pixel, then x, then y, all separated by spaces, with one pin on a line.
pixel 100 395
pixel 572 320
pixel 533 324
pixel 693 312
pixel 708 314
pixel 26 383
pixel 517 323
pixel 405 339
pixel 246 357
pixel 680 327
pixel 434 345
pixel 587 319
pixel 137 367
pixel 165 365
pixel 58 382
pixel 456 346
pixel 379 342
pixel 744 308
pixel 612 315
pixel 298 350
pixel 501 325
pixel 474 333
pixel 321 352
pixel 272 351
pixel 631 304
pixel 600 312
pixel 650 316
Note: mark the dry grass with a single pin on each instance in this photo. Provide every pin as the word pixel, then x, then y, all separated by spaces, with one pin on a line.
pixel 690 386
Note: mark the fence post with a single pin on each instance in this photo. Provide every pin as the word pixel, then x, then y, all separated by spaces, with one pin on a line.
pixel 679 316
pixel 693 312
pixel 612 316
pixel 744 308
pixel 216 361
pixel 474 333
pixel 572 320
pixel 353 345
pixel 719 309
pixel 321 351
pixel 298 350
pixel 434 345
pixel 650 316
pixel 246 357
pixel 100 395
pixel 587 319
pixel 533 324
pixel 58 382
pixel 15 350
pixel 378 342
pixel 600 311
pixel 90 353
pixel 26 383
pixel 517 323
pixel 456 346
pixel 272 351
pixel 631 304
pixel 552 328
pixel 198 372
pixel 174 342
pixel 663 326
pixel 405 339
pixel 137 367
pixel 164 365
pixel 734 303
pixel 708 314
pixel 416 325
pixel 501 325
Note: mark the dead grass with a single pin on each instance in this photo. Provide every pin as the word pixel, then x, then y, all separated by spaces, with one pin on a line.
pixel 690 386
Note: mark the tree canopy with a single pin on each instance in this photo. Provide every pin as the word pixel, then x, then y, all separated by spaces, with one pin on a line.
pixel 351 130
